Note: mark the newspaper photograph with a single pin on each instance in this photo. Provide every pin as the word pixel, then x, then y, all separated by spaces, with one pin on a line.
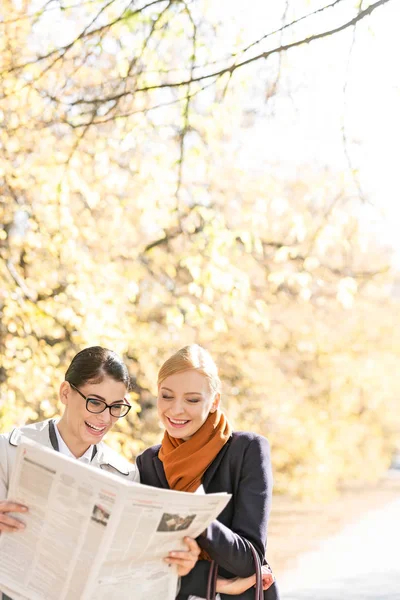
pixel 92 535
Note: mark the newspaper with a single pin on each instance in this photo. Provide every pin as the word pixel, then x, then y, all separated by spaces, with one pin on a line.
pixel 91 535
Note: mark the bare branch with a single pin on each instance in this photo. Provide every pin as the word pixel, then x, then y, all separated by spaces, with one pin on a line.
pixel 186 111
pixel 288 25
pixel 344 129
pixel 84 35
pixel 273 87
pixel 233 67
pixel 174 232
pixel 44 11
pixel 140 111
pixel 20 282
pixel 338 198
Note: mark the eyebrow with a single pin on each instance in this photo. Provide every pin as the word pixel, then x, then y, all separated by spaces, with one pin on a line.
pixel 122 401
pixel 185 394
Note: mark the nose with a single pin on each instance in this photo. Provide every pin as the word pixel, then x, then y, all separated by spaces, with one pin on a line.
pixel 176 408
pixel 105 417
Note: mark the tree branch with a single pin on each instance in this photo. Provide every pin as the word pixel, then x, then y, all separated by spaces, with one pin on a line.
pixel 233 67
pixel 85 34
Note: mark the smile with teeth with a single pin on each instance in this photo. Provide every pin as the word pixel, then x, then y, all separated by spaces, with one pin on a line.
pixel 96 430
pixel 177 422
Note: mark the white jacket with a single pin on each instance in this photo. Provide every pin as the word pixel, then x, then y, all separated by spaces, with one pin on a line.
pixel 105 457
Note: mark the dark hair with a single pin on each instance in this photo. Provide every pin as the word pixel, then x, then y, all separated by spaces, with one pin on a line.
pixel 95 363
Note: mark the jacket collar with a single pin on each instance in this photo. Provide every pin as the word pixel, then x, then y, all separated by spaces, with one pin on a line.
pixel 159 467
pixel 54 440
pixel 209 474
pixel 44 433
pixel 37 432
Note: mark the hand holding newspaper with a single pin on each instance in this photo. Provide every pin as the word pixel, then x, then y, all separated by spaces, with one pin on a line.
pixel 90 535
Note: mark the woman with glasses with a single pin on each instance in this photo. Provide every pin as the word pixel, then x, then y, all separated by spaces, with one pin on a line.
pixel 94 395
pixel 200 453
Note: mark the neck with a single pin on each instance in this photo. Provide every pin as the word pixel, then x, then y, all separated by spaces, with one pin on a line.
pixel 75 446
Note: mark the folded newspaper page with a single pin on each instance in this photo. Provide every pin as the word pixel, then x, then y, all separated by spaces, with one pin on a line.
pixel 90 535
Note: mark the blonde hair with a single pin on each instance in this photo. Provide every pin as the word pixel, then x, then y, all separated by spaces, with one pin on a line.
pixel 192 357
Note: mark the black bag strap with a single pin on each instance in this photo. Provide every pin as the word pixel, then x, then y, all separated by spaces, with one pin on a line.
pixel 213 574
pixel 259 586
pixel 212 581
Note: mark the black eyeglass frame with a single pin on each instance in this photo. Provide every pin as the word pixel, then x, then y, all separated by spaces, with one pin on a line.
pixel 109 406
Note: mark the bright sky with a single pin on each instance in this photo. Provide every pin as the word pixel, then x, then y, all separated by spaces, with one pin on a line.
pixel 307 124
pixel 308 120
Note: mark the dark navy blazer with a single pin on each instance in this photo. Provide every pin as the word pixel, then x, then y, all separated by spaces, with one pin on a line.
pixel 242 468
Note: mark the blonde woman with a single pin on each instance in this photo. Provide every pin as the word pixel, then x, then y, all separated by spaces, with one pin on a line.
pixel 200 453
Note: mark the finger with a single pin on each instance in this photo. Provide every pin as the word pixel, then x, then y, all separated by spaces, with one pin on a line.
pixel 183 554
pixel 192 545
pixel 180 561
pixel 7 528
pixel 268 580
pixel 12 507
pixel 11 522
pixel 266 572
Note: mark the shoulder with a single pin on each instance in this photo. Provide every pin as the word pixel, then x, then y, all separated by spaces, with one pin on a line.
pixel 36 432
pixel 151 468
pixel 250 456
pixel 146 458
pixel 8 448
pixel 248 450
pixel 249 440
pixel 149 453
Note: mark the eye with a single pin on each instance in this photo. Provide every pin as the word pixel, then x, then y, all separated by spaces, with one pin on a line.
pixel 95 403
pixel 119 409
pixel 193 400
pixel 167 397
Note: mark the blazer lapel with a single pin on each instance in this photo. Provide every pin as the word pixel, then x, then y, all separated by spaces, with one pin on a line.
pixel 158 466
pixel 209 474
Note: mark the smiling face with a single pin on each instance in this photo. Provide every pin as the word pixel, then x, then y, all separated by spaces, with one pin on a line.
pixel 184 403
pixel 80 428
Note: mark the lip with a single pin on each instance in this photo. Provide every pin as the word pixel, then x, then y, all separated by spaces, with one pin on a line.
pixel 176 425
pixel 94 432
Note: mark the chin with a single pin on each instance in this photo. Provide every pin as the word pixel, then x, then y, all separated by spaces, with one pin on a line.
pixel 179 434
pixel 91 438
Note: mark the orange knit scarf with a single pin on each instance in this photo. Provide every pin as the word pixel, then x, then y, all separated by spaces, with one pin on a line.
pixel 185 462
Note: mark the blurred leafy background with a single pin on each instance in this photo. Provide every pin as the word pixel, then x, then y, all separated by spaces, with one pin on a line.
pixel 180 171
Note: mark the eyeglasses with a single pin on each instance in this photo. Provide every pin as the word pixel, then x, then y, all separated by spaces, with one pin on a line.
pixel 96 406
